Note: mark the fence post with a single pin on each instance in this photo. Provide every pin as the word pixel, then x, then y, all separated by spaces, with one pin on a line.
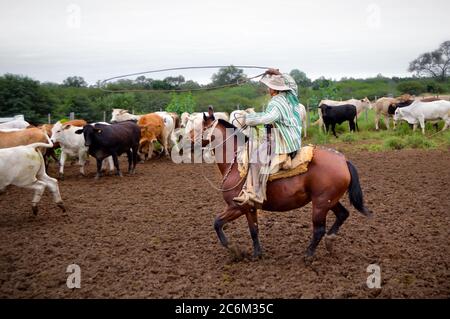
pixel 72 116
pixel 49 117
pixel 104 116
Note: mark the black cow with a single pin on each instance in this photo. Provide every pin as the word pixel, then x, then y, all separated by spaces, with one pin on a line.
pixel 333 115
pixel 395 106
pixel 112 140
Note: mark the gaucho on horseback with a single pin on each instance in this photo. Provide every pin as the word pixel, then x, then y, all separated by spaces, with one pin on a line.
pixel 283 114
pixel 281 175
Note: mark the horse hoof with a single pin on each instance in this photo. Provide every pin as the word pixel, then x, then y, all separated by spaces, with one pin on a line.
pixel 35 210
pixel 61 205
pixel 236 254
pixel 308 260
pixel 329 242
pixel 258 255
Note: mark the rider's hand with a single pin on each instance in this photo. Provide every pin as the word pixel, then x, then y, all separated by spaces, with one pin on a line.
pixel 273 72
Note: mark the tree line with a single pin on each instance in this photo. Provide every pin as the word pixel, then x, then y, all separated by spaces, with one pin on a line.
pixel 23 95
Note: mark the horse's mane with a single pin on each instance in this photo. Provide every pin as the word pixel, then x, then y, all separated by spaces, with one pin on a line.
pixel 229 125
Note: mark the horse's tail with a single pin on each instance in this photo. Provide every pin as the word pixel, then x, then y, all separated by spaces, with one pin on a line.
pixel 355 193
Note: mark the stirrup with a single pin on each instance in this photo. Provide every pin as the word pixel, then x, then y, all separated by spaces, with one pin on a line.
pixel 243 200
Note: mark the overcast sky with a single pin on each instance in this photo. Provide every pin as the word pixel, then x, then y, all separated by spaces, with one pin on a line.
pixel 51 40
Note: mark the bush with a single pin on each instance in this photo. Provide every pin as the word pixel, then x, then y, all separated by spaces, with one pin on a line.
pixel 412 87
pixel 419 141
pixel 394 143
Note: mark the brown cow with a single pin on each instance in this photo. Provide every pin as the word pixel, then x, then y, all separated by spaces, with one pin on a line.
pixel 22 137
pixel 79 123
pixel 176 119
pixel 152 126
pixel 382 105
pixel 431 99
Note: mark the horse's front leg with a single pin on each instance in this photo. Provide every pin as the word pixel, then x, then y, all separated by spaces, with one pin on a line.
pixel 252 219
pixel 228 215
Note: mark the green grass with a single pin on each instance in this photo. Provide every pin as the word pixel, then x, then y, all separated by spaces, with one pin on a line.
pixel 348 137
pixel 419 141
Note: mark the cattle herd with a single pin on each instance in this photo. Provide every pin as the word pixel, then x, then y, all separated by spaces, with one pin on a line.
pixel 25 150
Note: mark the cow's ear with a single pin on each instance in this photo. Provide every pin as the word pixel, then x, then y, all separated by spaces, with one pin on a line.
pixel 79 131
pixel 98 130
pixel 205 118
pixel 123 111
pixel 67 127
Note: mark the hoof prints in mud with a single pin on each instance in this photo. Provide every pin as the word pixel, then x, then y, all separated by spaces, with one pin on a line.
pixel 151 235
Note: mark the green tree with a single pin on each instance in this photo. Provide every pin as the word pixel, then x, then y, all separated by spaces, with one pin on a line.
pixel 321 83
pixel 22 95
pixel 190 85
pixel 228 75
pixel 434 64
pixel 411 87
pixel 82 107
pixel 300 78
pixel 175 81
pixel 75 81
pixel 181 103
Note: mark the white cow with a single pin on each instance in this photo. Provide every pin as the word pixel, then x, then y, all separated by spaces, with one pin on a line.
pixel 419 112
pixel 121 115
pixel 14 124
pixel 185 118
pixel 72 145
pixel 24 166
pixel 303 115
pixel 194 124
pixel 169 139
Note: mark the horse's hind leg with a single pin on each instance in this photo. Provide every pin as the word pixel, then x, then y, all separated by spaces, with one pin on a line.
pixel 341 215
pixel 228 215
pixel 252 219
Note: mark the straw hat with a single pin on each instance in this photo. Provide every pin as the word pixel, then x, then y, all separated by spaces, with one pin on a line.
pixel 275 82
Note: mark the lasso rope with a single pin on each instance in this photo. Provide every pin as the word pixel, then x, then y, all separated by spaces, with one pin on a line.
pixel 104 82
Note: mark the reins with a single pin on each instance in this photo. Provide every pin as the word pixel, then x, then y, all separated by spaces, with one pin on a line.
pixel 230 167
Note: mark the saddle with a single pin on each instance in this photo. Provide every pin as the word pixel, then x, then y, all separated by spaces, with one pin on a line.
pixel 282 166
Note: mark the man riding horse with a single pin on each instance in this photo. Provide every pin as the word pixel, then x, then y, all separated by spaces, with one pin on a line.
pixel 283 114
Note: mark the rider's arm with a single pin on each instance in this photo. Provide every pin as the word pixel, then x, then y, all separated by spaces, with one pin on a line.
pixel 268 117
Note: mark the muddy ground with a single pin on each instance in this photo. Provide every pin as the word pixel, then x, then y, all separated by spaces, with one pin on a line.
pixel 151 236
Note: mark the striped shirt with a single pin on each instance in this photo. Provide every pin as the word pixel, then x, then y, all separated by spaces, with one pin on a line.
pixel 287 121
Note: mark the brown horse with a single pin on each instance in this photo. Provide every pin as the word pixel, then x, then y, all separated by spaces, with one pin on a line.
pixel 328 178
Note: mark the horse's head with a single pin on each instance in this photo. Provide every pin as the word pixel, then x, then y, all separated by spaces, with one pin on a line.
pixel 208 124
